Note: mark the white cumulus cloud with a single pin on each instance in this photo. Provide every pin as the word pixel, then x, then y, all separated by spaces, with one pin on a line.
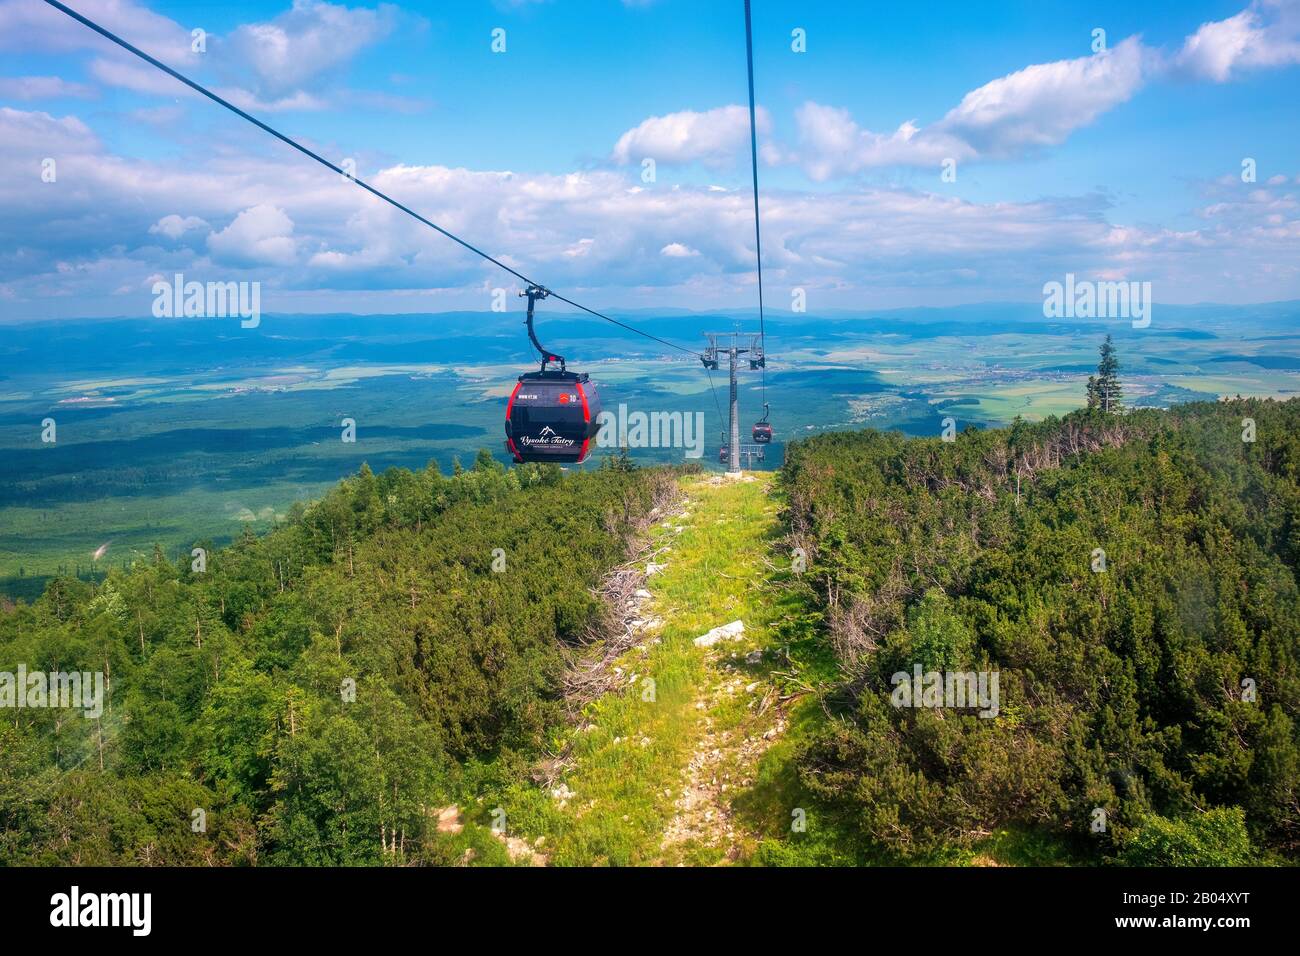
pixel 593 234
pixel 174 226
pixel 713 137
pixel 1265 34
pixel 31 26
pixel 1037 106
pixel 285 55
pixel 676 250
pixel 1042 104
pixel 262 234
pixel 44 88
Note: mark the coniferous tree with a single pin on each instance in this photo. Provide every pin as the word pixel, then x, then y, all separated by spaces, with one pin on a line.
pixel 1104 389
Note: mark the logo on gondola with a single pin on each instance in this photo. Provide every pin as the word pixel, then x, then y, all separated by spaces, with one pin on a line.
pixel 547 436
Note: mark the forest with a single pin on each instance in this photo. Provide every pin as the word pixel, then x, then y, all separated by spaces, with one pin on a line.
pixel 310 696
pixel 1130 578
pixel 401 652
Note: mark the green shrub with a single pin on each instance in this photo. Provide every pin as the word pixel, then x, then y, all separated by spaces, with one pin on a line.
pixel 1217 837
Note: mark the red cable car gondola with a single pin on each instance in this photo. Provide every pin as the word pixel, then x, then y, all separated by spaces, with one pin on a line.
pixel 552 414
pixel 763 430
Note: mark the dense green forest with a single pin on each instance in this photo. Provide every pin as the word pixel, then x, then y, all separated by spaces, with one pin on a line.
pixel 1131 578
pixel 317 691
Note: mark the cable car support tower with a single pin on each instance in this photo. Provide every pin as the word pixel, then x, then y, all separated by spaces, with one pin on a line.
pixel 729 343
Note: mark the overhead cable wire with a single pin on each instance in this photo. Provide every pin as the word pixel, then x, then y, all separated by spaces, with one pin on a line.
pixel 753 155
pixel 714 389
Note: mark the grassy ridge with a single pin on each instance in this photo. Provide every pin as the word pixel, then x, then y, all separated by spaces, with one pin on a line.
pixel 627 756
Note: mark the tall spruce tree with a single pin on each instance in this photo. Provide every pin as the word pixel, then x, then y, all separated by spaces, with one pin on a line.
pixel 1104 389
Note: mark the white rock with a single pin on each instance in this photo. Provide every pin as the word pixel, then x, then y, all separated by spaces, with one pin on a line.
pixel 449 820
pixel 641 593
pixel 653 568
pixel 727 632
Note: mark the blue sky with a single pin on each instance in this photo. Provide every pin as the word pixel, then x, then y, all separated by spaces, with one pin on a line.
pixel 1118 162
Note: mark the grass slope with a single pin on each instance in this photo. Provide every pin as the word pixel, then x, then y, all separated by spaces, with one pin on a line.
pixel 702 771
pixel 630 781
